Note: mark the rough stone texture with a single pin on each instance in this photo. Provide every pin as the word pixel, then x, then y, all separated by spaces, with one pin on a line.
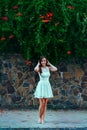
pixel 18 82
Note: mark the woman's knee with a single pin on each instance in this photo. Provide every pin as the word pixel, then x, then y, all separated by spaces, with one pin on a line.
pixel 44 102
pixel 41 102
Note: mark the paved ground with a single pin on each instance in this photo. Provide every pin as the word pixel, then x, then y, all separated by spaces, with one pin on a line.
pixel 54 119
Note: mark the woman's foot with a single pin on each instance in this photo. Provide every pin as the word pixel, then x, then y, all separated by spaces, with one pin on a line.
pixel 42 121
pixel 39 120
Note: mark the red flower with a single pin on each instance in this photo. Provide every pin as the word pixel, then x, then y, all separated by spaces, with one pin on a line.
pixel 5 18
pixel 47 18
pixel 50 14
pixel 45 21
pixel 68 52
pixel 19 14
pixel 3 38
pixel 28 62
pixel 42 17
pixel 15 7
pixel 70 7
pixel 11 36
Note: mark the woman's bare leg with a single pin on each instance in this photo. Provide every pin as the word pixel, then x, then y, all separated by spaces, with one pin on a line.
pixel 44 109
pixel 40 110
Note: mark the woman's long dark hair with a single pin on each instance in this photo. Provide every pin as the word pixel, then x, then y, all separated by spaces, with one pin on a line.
pixel 40 70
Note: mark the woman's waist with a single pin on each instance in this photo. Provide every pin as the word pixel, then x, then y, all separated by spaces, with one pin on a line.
pixel 44 79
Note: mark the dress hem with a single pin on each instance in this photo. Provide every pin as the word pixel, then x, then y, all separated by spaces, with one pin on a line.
pixel 43 97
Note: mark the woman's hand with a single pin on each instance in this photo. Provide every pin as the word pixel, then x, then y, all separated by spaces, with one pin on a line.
pixel 52 67
pixel 37 67
pixel 48 63
pixel 38 63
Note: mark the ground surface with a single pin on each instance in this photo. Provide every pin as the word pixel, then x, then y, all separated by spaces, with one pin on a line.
pixel 54 119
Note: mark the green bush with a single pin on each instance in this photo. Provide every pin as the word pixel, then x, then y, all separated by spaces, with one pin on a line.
pixel 55 28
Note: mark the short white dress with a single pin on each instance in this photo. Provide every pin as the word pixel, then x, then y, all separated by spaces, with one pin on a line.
pixel 43 88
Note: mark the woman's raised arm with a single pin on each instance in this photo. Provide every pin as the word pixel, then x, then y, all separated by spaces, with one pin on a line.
pixel 37 67
pixel 52 67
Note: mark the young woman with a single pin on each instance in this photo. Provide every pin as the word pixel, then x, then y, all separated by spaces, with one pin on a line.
pixel 43 89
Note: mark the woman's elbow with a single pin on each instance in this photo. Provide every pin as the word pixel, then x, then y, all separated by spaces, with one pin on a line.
pixel 35 69
pixel 56 69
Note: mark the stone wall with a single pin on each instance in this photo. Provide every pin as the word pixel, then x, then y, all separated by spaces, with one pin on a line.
pixel 18 82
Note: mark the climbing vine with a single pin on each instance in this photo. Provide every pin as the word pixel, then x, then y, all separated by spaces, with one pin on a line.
pixel 55 28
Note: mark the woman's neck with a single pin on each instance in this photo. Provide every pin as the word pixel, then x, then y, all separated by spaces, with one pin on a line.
pixel 43 66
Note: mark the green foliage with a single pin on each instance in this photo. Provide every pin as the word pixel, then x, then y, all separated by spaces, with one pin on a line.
pixel 35 33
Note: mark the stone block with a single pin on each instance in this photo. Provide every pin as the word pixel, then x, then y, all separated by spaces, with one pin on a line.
pixel 85 67
pixel 75 91
pixel 85 73
pixel 10 88
pixel 35 101
pixel 8 99
pixel 75 82
pixel 30 103
pixel 56 97
pixel 26 84
pixel 3 90
pixel 78 73
pixel 55 92
pixel 62 67
pixel 21 91
pixel 63 92
pixel 55 75
pixel 67 75
pixel 15 98
pixel 70 67
pixel 31 88
pixel 4 76
pixel 84 104
pixel 58 106
pixel 84 97
pixel 0 97
pixel 65 87
pixel 20 75
pixel 32 80
pixel 84 78
pixel 84 91
pixel 84 85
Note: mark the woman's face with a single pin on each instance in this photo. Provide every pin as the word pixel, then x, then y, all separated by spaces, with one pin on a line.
pixel 43 62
